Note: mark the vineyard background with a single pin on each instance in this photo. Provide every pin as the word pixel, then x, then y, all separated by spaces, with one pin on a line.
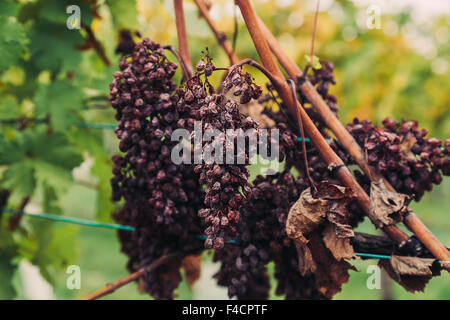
pixel 400 70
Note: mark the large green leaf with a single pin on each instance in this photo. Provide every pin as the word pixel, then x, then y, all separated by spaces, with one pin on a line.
pixel 53 47
pixel 8 265
pixel 7 269
pixel 12 41
pixel 56 244
pixel 60 100
pixel 8 8
pixel 35 158
pixel 20 178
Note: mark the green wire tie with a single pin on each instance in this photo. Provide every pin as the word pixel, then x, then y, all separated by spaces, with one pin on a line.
pixel 89 125
pixel 299 139
pixel 53 217
pixel 370 255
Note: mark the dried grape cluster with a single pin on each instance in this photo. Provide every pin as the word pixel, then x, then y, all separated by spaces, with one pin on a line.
pixel 225 176
pixel 402 153
pixel 161 198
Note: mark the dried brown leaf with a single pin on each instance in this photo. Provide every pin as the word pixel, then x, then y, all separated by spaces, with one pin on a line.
pixel 322 245
pixel 340 219
pixel 385 206
pixel 330 273
pixel 329 191
pixel 412 266
pixel 410 272
pixel 305 260
pixel 339 247
pixel 305 216
pixel 337 212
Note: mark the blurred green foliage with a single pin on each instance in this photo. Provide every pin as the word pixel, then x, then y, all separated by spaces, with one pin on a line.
pixel 54 75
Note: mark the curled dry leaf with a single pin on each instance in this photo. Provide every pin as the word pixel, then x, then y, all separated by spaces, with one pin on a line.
pixel 329 191
pixel 305 216
pixel 410 272
pixel 339 247
pixel 322 234
pixel 386 207
pixel 341 227
pixel 337 213
pixel 306 263
pixel 192 266
pixel 330 273
pixel 412 266
pixel 310 212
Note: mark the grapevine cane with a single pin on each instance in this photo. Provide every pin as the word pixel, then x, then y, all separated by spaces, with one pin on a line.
pixel 329 156
pixel 184 69
pixel 110 288
pixel 182 35
pixel 348 142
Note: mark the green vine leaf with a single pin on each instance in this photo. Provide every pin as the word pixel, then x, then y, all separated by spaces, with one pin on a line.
pixel 8 265
pixel 35 158
pixel 60 100
pixel 56 244
pixel 62 54
pixel 12 41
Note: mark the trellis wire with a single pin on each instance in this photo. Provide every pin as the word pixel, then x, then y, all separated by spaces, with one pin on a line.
pixel 92 125
pixel 54 217
pixel 89 223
